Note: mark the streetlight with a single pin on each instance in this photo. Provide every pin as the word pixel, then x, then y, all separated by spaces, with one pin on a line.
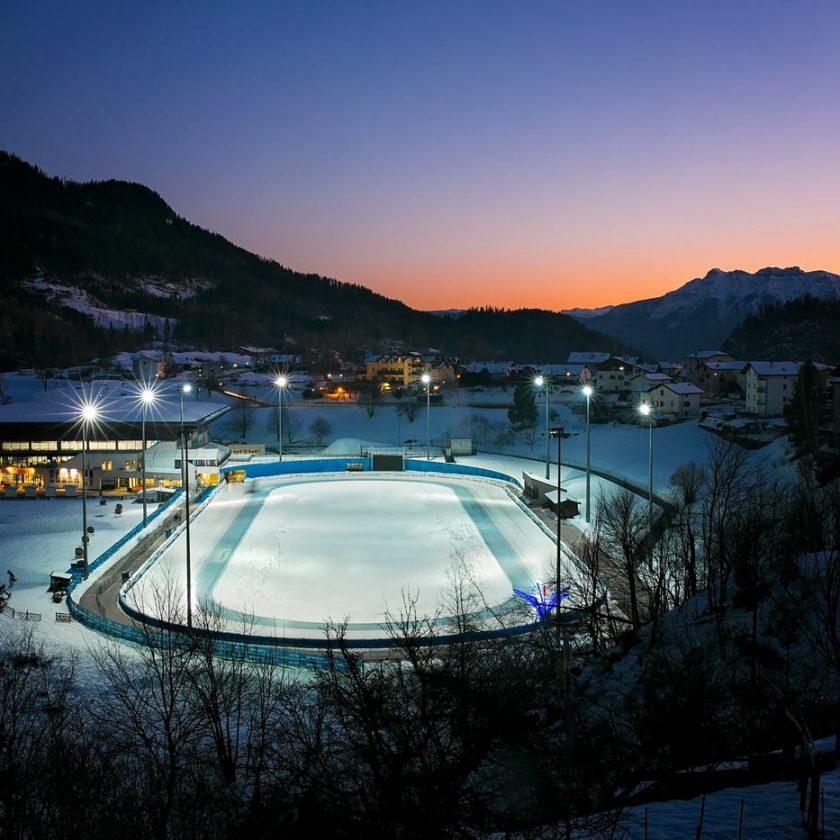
pixel 541 382
pixel 646 411
pixel 88 415
pixel 185 483
pixel 281 382
pixel 426 380
pixel 148 397
pixel 587 392
pixel 557 432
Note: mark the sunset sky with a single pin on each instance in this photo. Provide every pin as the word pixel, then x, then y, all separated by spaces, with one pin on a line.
pixel 454 154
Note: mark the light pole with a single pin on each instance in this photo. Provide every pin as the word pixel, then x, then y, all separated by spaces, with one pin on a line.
pixel 185 483
pixel 89 414
pixel 557 432
pixel 427 381
pixel 646 411
pixel 281 382
pixel 542 382
pixel 587 392
pixel 147 398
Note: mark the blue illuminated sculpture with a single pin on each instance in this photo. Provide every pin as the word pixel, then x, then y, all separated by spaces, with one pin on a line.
pixel 544 601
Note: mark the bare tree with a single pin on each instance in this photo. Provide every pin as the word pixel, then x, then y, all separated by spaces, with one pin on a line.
pixel 242 420
pixel 45 374
pixel 623 521
pixel 148 708
pixel 408 407
pixel 686 484
pixel 370 396
pixel 320 428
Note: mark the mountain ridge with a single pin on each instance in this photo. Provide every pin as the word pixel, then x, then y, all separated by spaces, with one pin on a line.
pixel 87 269
pixel 704 311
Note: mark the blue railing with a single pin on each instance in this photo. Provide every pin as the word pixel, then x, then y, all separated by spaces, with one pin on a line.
pixel 109 552
pixel 161 635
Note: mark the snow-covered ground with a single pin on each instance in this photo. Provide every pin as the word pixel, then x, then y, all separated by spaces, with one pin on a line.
pixel 292 552
pixel 770 811
pixel 621 448
pixel 38 537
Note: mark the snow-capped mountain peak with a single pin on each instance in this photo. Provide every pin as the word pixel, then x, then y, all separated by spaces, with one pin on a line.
pixel 705 310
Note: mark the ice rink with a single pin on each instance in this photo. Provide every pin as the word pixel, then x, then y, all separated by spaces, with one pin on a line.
pixel 294 552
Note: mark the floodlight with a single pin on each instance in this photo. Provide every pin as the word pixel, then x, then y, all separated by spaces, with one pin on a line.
pixel 89 412
pixel 644 408
pixel 281 382
pixel 587 390
pixel 539 381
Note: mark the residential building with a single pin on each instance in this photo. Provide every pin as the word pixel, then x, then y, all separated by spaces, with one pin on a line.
pixel 720 378
pixel 490 371
pixel 673 400
pixel 769 387
pixel 694 361
pixel 405 369
pixel 395 369
pixel 148 367
pixel 609 374
pixel 643 382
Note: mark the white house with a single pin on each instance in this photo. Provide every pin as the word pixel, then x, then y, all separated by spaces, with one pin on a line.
pixel 643 382
pixel 693 362
pixel 610 374
pixel 673 400
pixel 769 387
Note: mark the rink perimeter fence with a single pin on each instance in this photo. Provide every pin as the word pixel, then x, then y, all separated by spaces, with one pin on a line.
pixel 272 649
pixel 362 464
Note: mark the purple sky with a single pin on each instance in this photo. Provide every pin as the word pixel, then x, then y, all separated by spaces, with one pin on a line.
pixel 454 154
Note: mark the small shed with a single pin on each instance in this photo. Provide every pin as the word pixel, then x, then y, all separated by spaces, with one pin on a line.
pixel 536 487
pixel 461 446
pixel 59 581
pixel 569 508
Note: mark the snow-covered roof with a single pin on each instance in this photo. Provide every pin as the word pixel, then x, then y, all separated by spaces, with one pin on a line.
pixel 490 367
pixel 562 370
pixel 653 377
pixel 257 351
pixel 551 496
pixel 683 388
pixel 706 354
pixel 588 358
pixel 775 368
pixel 117 402
pixel 733 365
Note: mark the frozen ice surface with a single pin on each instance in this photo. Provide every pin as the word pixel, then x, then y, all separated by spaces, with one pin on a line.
pixel 299 551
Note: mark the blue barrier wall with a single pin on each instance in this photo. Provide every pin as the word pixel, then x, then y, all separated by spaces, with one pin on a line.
pixel 309 465
pixel 417 465
pixel 327 465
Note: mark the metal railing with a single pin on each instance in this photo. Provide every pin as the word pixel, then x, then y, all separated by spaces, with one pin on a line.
pixel 613 477
pixel 77 574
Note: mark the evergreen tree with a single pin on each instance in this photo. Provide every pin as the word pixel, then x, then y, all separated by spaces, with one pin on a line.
pixel 523 413
pixel 805 410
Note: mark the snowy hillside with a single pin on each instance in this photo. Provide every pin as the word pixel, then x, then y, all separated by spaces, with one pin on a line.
pixel 103 316
pixel 703 312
